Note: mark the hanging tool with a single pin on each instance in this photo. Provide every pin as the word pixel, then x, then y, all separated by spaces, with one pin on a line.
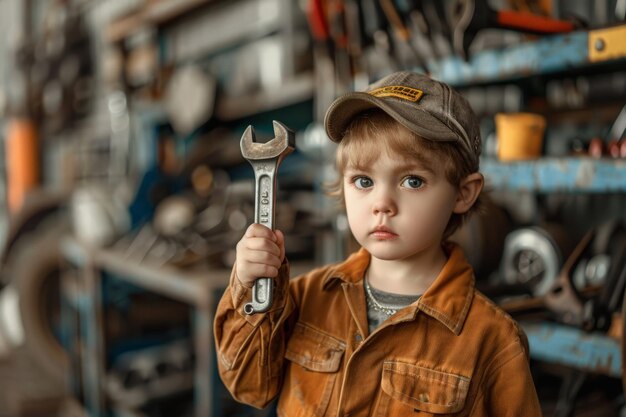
pixel 564 298
pixel 420 30
pixel 619 126
pixel 336 19
pixel 568 393
pixel 601 257
pixel 265 159
pixel 375 28
pixel 323 52
pixel 471 16
pixel 317 20
pixel 620 10
pixel 354 31
pixel 440 34
pixel 406 52
pixel 610 242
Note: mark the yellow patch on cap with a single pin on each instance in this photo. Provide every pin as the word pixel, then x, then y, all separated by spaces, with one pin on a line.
pixel 398 91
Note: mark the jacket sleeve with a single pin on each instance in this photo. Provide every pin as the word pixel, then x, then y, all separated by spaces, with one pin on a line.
pixel 250 348
pixel 509 390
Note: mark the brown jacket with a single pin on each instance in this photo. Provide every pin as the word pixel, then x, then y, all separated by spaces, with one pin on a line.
pixel 451 353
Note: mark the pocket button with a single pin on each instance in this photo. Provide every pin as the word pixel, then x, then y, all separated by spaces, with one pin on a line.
pixel 423 397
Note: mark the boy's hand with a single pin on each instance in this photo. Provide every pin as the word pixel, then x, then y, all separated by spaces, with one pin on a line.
pixel 260 252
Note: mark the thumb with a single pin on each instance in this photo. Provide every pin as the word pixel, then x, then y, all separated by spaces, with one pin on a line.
pixel 280 241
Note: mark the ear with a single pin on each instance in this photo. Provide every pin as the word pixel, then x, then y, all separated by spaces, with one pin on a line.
pixel 469 190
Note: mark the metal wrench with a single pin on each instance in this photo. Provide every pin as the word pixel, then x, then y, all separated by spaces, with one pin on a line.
pixel 265 159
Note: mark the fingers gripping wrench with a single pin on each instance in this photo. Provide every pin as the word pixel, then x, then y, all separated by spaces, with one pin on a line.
pixel 265 159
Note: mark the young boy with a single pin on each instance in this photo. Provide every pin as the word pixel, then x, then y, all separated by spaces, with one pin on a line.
pixel 397 329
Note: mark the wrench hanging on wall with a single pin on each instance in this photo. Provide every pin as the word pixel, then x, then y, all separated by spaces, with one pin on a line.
pixel 471 16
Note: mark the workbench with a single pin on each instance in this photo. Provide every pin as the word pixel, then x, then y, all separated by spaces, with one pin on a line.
pixel 199 289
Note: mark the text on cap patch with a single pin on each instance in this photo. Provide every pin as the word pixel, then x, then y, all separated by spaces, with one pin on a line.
pixel 398 91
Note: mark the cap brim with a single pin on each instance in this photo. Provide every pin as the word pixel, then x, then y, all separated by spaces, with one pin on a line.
pixel 344 109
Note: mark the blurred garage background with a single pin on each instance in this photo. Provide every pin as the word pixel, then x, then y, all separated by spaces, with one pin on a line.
pixel 123 190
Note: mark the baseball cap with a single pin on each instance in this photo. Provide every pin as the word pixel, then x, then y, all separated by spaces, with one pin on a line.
pixel 429 108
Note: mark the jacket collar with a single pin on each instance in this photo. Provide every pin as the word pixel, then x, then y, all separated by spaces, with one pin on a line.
pixel 447 299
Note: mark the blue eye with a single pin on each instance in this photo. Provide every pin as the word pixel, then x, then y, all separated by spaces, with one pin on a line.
pixel 413 182
pixel 363 182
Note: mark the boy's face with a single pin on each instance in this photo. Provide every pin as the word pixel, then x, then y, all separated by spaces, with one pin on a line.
pixel 398 208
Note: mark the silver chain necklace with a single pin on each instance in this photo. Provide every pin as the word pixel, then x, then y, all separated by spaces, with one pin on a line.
pixel 375 304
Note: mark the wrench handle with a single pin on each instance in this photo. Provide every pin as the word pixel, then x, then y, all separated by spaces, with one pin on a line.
pixel 264 201
pixel 262 292
pixel 265 196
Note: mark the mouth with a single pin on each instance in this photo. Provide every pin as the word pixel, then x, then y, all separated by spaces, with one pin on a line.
pixel 383 233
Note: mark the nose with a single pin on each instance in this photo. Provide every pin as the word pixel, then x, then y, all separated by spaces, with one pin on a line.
pixel 384 203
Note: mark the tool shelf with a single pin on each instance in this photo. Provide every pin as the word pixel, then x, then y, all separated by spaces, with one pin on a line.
pixel 547 175
pixel 298 90
pixel 595 51
pixel 549 54
pixel 199 289
pixel 152 14
pixel 575 51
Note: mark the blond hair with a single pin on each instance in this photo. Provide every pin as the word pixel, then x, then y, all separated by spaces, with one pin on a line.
pixel 374 131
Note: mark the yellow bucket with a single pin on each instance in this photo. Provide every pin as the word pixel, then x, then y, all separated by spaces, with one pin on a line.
pixel 520 135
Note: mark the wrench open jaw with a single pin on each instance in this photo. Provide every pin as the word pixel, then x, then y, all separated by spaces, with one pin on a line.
pixel 283 143
pixel 265 159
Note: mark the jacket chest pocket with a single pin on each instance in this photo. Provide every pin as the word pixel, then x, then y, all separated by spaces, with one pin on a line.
pixel 315 360
pixel 410 390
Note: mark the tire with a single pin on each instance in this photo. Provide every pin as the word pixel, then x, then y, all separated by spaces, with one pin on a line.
pixel 35 269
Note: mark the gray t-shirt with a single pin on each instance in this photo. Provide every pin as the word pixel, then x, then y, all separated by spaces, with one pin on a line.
pixel 396 301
